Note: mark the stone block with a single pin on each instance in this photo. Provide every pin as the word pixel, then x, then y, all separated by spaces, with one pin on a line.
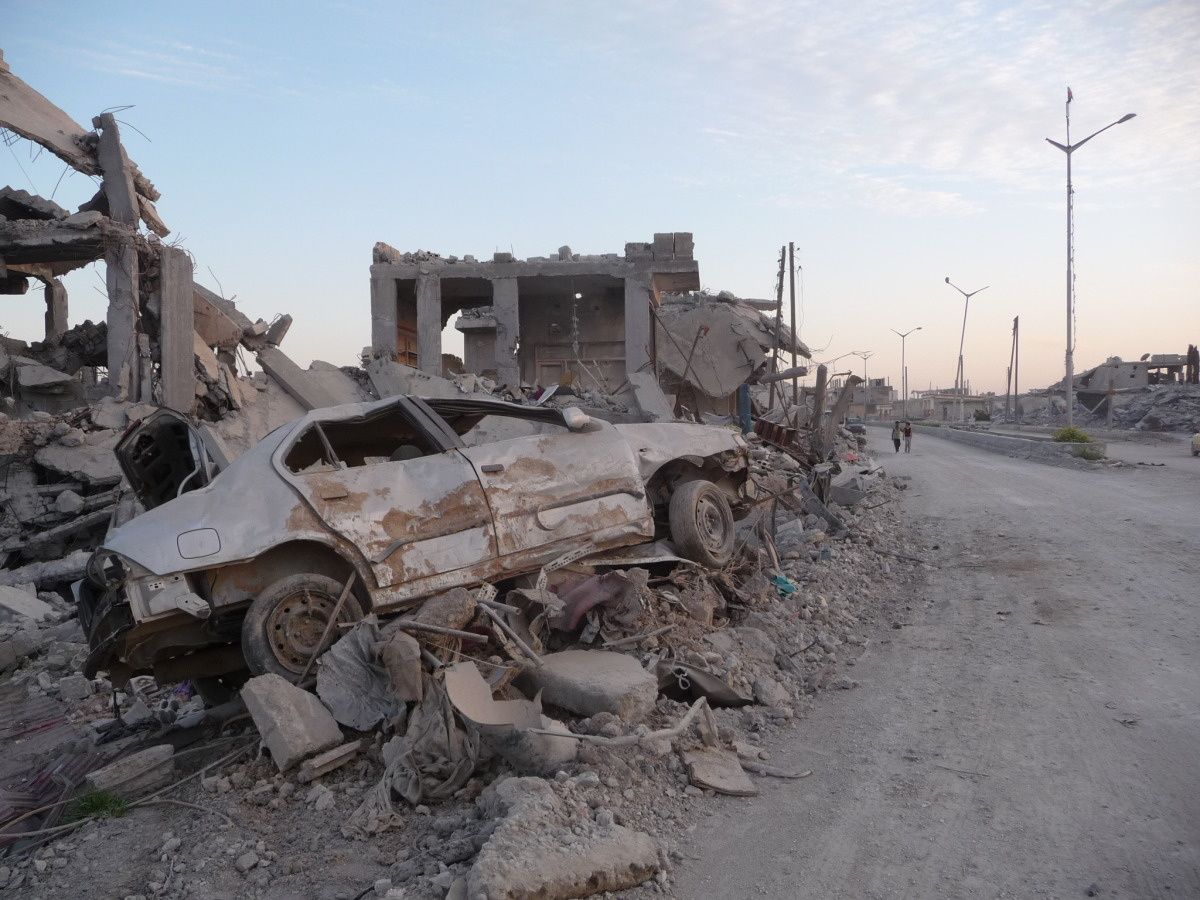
pixel 137 773
pixel 74 688
pixel 587 682
pixel 664 246
pixel 293 723
pixel 685 246
pixel 68 503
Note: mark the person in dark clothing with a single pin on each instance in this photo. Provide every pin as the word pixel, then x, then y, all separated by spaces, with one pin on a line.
pixel 908 437
pixel 896 435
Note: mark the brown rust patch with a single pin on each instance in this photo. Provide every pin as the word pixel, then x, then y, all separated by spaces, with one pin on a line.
pixel 461 508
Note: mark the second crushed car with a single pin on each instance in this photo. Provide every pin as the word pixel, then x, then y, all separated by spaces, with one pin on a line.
pixel 383 502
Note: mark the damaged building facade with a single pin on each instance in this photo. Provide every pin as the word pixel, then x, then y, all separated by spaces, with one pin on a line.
pixel 611 323
pixel 529 321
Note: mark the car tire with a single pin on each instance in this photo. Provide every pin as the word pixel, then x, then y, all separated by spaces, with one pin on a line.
pixel 701 523
pixel 285 622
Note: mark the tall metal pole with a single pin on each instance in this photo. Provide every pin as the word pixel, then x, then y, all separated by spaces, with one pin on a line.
pixel 960 378
pixel 1070 381
pixel 903 377
pixel 792 290
pixel 1068 148
pixel 1017 368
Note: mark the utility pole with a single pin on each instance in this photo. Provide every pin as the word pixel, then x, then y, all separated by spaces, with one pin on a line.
pixel 1017 368
pixel 1068 148
pixel 792 291
pixel 1012 354
pixel 959 376
pixel 904 365
pixel 778 330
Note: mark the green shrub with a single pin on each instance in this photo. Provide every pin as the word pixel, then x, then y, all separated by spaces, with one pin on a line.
pixel 1072 435
pixel 1089 453
pixel 97 804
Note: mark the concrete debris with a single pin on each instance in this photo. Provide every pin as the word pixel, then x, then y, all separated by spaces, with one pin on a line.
pixel 718 770
pixel 587 682
pixel 293 723
pixel 527 855
pixel 17 604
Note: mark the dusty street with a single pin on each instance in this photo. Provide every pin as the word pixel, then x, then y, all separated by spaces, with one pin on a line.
pixel 1030 727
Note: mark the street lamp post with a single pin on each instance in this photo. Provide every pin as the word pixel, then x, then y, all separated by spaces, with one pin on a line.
pixel 904 366
pixel 959 377
pixel 1069 148
pixel 864 355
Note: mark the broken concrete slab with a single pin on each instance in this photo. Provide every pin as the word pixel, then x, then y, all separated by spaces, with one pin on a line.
pixel 37 377
pixel 137 773
pixel 93 462
pixel 17 605
pixel 587 682
pixel 650 398
pixel 526 855
pixel 31 115
pixel 718 770
pixel 293 723
pixel 314 388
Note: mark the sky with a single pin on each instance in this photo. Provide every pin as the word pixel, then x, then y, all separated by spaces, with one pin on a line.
pixel 894 143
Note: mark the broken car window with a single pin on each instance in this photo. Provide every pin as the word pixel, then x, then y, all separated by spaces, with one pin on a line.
pixel 387 436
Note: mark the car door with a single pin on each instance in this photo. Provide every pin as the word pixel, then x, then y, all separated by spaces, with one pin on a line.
pixel 551 492
pixel 413 519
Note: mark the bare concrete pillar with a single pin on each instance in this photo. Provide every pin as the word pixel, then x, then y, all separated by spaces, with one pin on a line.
pixel 56 308
pixel 429 324
pixel 637 323
pixel 383 316
pixel 506 312
pixel 121 276
pixel 177 328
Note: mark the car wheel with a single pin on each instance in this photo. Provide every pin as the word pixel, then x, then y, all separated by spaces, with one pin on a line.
pixel 284 624
pixel 702 523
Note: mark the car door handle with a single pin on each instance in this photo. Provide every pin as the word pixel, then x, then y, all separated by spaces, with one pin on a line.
pixel 491 468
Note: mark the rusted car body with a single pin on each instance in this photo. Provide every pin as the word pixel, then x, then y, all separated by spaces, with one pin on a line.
pixel 386 492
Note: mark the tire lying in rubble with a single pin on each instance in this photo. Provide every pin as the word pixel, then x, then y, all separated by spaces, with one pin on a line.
pixel 284 624
pixel 702 523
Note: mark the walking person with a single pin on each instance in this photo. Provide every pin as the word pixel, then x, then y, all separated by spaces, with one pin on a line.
pixel 896 434
pixel 908 437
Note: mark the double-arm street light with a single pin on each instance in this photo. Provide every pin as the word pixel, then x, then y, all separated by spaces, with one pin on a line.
pixel 960 380
pixel 904 366
pixel 1069 148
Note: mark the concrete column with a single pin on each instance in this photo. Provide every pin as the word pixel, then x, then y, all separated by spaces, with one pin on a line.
pixel 429 324
pixel 56 308
pixel 505 310
pixel 383 316
pixel 177 328
pixel 637 322
pixel 121 276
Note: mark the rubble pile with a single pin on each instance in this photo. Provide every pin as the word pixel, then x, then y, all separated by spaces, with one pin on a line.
pixel 553 741
pixel 544 729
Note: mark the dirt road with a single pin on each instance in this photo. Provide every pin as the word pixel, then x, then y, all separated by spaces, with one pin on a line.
pixel 1029 728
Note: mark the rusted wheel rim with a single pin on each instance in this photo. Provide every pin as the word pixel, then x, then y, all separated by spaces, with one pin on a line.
pixel 712 524
pixel 296 624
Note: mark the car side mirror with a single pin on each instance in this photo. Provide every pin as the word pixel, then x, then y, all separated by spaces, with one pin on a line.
pixel 576 419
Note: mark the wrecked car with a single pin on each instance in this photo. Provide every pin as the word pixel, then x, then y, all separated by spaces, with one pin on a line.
pixel 371 507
